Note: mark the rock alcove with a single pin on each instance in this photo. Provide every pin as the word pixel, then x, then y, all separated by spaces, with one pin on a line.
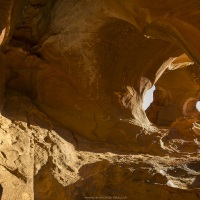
pixel 74 75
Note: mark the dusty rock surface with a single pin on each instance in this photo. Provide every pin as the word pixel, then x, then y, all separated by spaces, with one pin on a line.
pixel 73 79
pixel 40 159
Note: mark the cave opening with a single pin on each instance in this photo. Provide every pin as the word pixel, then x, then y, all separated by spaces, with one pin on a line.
pixel 198 106
pixel 176 96
pixel 148 98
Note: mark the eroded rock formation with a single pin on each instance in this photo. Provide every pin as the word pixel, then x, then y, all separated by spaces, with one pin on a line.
pixel 73 79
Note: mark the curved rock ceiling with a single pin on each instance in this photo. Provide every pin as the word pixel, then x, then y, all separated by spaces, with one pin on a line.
pixel 87 66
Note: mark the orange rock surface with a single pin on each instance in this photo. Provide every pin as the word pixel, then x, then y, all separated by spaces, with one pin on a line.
pixel 73 79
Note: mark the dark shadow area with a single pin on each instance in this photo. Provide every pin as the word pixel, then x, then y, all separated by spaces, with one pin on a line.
pixel 194 166
pixel 196 182
pixel 46 187
pixel 1 191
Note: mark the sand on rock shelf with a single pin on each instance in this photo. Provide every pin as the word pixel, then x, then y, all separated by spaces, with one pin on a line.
pixel 74 75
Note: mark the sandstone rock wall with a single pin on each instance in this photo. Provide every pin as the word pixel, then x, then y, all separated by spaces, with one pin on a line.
pixel 73 79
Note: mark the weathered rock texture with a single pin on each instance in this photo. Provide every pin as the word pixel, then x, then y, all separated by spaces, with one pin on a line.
pixel 41 158
pixel 73 78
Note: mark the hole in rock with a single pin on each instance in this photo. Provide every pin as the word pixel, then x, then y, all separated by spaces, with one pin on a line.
pixel 148 97
pixel 198 106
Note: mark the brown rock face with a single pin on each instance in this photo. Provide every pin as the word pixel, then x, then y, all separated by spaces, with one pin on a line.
pixel 73 80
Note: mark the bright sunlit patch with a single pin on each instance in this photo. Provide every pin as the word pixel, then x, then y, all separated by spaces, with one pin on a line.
pixel 2 35
pixel 148 98
pixel 198 106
